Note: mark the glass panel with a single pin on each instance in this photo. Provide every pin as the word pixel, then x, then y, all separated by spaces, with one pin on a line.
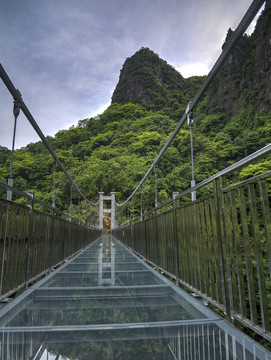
pixel 108 304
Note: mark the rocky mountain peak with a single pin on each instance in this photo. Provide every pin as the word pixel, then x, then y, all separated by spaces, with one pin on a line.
pixel 145 76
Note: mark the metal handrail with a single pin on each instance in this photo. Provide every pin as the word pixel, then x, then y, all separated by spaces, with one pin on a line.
pixel 228 170
pixel 225 171
pixel 29 197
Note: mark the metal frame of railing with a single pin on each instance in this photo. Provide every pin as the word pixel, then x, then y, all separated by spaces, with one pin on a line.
pixel 33 243
pixel 218 246
pixel 53 210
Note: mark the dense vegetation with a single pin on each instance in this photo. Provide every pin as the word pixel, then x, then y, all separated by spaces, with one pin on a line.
pixel 112 151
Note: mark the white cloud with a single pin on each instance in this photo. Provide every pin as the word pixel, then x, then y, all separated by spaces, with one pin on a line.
pixel 254 22
pixel 191 69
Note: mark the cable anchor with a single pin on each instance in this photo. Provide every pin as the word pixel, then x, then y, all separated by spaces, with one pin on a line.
pixel 16 106
pixel 190 115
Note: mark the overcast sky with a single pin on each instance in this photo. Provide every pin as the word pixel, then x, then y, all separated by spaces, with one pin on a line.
pixel 65 56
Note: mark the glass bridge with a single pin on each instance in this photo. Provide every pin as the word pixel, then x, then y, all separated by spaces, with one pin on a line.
pixel 106 303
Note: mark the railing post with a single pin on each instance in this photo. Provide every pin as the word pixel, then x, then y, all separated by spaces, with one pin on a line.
pixel 133 210
pixel 4 250
pixel 218 196
pixel 54 187
pixel 71 202
pixel 155 179
pixel 113 209
pixel 101 209
pixel 141 209
pixel 121 215
pixel 79 210
pixel 52 239
pixel 30 237
pixel 175 236
pixel 156 239
pixel 146 224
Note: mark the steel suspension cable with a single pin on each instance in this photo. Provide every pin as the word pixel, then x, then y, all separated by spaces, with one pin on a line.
pixel 240 30
pixel 18 98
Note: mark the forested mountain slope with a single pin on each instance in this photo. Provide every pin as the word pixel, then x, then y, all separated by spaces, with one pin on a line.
pixel 112 151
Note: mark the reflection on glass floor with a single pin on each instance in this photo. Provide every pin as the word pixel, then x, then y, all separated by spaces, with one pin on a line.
pixel 107 304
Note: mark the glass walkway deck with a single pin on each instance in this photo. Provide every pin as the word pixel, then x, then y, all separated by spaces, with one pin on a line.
pixel 108 304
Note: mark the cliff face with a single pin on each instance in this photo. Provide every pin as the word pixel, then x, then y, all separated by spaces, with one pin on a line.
pixel 145 76
pixel 245 79
pixel 262 61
